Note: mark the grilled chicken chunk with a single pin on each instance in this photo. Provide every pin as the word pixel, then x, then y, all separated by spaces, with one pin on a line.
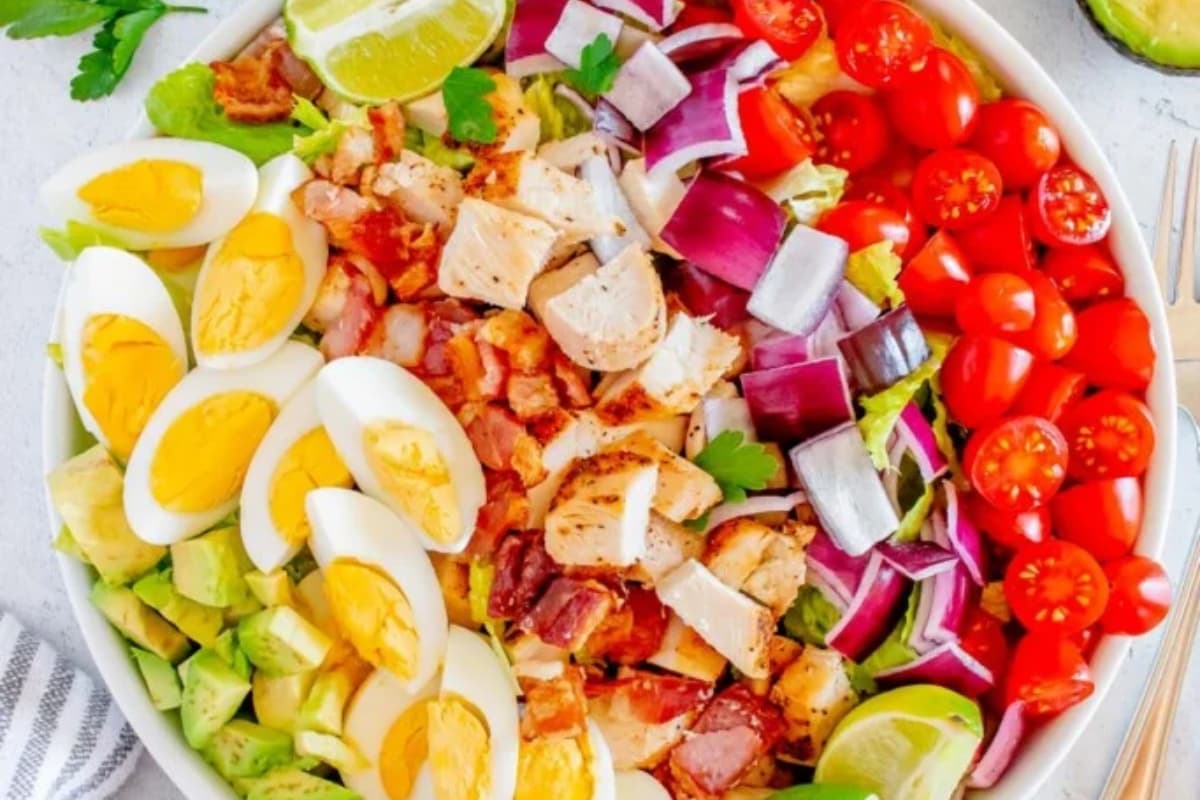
pixel 814 693
pixel 684 490
pixel 564 437
pixel 668 544
pixel 426 192
pixel 685 652
pixel 765 563
pixel 554 282
pixel 568 154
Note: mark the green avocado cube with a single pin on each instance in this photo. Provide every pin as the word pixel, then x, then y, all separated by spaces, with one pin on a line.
pixel 245 749
pixel 281 642
pixel 213 692
pixel 294 784
pixel 210 568
pixel 160 678
pixel 201 623
pixel 138 623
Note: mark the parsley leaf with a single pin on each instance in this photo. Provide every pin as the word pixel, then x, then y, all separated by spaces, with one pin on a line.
pixel 598 65
pixel 737 465
pixel 58 18
pixel 465 94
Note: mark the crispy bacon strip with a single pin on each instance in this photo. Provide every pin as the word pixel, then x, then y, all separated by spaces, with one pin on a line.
pixel 632 633
pixel 252 88
pixel 555 708
pixel 523 570
pixel 651 698
pixel 568 612
pixel 355 321
pixel 387 128
pixel 506 509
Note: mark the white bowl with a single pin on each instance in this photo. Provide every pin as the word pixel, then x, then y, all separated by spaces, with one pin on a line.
pixel 1022 75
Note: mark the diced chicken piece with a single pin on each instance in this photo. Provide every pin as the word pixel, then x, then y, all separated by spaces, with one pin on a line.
pixel 735 548
pixel 654 199
pixel 668 431
pixel 683 651
pixel 555 708
pixel 684 490
pixel 564 437
pixel 525 183
pixel 765 563
pixel 781 652
pixel 568 154
pixel 355 150
pixel 424 191
pixel 600 513
pixel 643 715
pixel 332 295
pixel 400 336
pixel 554 282
pixel 337 107
pixel 518 128
pixel 612 319
pixel 568 612
pixel 533 658
pixel 692 357
pixel 633 743
pixel 814 694
pixel 493 254
pixel 610 198
pixel 388 128
pixel 736 626
pixel 335 207
pixel 668 544
pixel 428 114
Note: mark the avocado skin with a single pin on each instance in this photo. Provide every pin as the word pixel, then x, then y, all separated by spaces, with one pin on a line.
pixel 1124 49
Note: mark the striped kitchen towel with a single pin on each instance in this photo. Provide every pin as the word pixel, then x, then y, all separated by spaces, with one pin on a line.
pixel 61 736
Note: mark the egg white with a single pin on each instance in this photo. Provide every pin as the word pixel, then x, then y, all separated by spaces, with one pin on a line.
pixel 277 179
pixel 105 280
pixel 278 378
pixel 230 182
pixel 379 702
pixel 346 524
pixel 354 392
pixel 637 785
pixel 604 785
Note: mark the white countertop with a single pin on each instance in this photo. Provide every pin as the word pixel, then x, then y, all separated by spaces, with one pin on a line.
pixel 1133 111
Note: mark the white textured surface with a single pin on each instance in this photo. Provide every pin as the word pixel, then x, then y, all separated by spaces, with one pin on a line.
pixel 1133 111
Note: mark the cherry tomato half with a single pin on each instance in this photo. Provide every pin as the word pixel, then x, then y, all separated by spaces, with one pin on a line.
pixel 981 378
pixel 1111 435
pixel 982 636
pixel 883 43
pixel 1050 391
pixel 956 189
pixel 789 26
pixel 935 277
pixel 836 11
pixel 1066 206
pixel 876 190
pixel 854 131
pixel 1139 595
pixel 1012 530
pixel 898 166
pixel 996 303
pixel 1048 674
pixel 1114 348
pixel 1055 329
pixel 862 223
pixel 1102 517
pixel 1084 274
pixel 777 137
pixel 1001 242
pixel 936 107
pixel 1055 587
pixel 1019 140
pixel 1018 463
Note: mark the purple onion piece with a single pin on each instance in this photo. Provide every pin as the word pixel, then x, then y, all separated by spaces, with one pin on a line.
pixel 799 287
pixel 885 351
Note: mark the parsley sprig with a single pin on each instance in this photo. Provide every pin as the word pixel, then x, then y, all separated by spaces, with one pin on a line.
pixel 598 65
pixel 737 465
pixel 465 92
pixel 123 25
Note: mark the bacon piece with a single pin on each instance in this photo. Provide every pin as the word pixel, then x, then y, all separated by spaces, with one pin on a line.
pixel 632 633
pixel 568 612
pixel 356 320
pixel 519 335
pixel 644 715
pixel 734 731
pixel 573 382
pixel 294 70
pixel 523 569
pixel 445 320
pixel 405 252
pixel 494 433
pixel 494 375
pixel 387 127
pixel 400 336
pixel 554 708
pixel 505 509
pixel 531 395
pixel 252 88
pixel 652 698
pixel 448 390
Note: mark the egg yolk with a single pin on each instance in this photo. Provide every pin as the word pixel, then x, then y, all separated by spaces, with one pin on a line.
pixel 555 768
pixel 252 287
pixel 373 613
pixel 204 454
pixel 404 750
pixel 152 195
pixel 413 473
pixel 127 369
pixel 310 463
pixel 459 750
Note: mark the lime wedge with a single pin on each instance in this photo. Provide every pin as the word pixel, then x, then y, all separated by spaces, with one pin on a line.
pixel 372 51
pixel 912 743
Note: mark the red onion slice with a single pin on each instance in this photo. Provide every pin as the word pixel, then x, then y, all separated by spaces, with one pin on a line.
pixel 799 287
pixel 611 201
pixel 760 504
pixel 941 609
pixel 914 435
pixel 868 618
pixel 701 41
pixel 612 126
pixel 999 753
pixel 525 51
pixel 751 62
pixel 728 414
pixel 947 665
pixel 654 14
pixel 917 560
pixel 704 125
pixel 855 308
pixel 706 296
pixel 578 26
pixel 779 351
pixel 842 573
pixel 793 403
pixel 963 536
pixel 648 87
pixel 885 351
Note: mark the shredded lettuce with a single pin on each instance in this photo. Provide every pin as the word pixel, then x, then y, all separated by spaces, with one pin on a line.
pixel 914 518
pixel 884 408
pixel 181 104
pixel 989 87
pixel 874 270
pixel 74 237
pixel 809 189
pixel 811 617
pixel 479 587
pixel 941 428
pixel 560 119
pixel 325 134
pixel 815 75
pixel 307 113
pixel 433 148
pixel 895 650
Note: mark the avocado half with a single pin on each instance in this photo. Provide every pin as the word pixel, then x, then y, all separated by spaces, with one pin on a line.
pixel 1163 34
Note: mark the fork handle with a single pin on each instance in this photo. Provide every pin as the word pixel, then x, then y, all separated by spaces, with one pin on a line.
pixel 1138 769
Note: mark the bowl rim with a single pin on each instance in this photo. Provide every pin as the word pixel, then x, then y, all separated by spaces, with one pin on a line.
pixel 1015 67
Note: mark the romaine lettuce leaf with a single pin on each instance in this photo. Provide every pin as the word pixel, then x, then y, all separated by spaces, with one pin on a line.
pixel 874 270
pixel 895 651
pixel 883 409
pixel 811 617
pixel 989 87
pixel 910 524
pixel 560 119
pixel 809 189
pixel 814 75
pixel 74 237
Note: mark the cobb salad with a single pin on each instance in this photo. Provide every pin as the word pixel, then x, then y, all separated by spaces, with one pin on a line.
pixel 613 399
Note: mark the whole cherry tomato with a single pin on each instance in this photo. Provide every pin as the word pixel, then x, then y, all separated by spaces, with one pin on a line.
pixel 1048 674
pixel 1017 463
pixel 1066 206
pixel 1055 588
pixel 789 26
pixel 876 190
pixel 1050 391
pixel 777 136
pixel 1019 139
pixel 1139 595
pixel 996 303
pixel 855 134
pixel 936 107
pixel 862 224
pixel 1102 517
pixel 1111 435
pixel 955 189
pixel 1055 329
pixel 883 43
pixel 1010 529
pixel 1001 242
pixel 982 376
pixel 1114 349
pixel 1083 274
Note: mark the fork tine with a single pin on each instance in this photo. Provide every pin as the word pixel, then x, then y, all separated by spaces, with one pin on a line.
pixel 1162 235
pixel 1187 245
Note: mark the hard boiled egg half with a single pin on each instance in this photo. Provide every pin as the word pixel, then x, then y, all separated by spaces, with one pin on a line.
pixel 380 584
pixel 389 725
pixel 403 447
pixel 579 768
pixel 123 346
pixel 295 457
pixel 187 467
pixel 258 282
pixel 155 193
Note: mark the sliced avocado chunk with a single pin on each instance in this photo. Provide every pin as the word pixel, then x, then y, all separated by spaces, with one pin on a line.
pixel 294 784
pixel 227 648
pixel 138 623
pixel 239 611
pixel 330 749
pixel 271 589
pixel 65 543
pixel 210 568
pixel 201 623
pixel 160 678
pixel 1161 33
pixel 213 692
pixel 245 749
pixel 278 699
pixel 325 705
pixel 280 642
pixel 88 491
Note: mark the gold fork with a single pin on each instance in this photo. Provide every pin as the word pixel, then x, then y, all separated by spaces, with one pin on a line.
pixel 1183 309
